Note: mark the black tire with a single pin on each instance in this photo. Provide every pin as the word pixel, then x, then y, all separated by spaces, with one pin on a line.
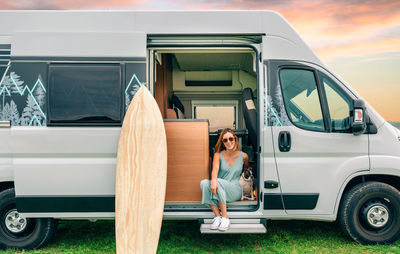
pixel 370 212
pixel 36 231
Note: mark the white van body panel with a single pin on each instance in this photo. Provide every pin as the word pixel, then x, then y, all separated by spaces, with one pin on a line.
pixel 385 150
pixel 6 169
pixel 199 22
pixel 268 157
pixel 319 162
pixel 280 43
pixel 66 21
pixel 57 159
pixel 93 44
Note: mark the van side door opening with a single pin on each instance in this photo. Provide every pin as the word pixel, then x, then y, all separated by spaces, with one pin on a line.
pixel 199 84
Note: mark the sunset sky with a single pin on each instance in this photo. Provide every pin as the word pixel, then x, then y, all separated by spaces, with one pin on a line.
pixel 359 40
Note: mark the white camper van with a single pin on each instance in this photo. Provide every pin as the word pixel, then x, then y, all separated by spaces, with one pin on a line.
pixel 318 151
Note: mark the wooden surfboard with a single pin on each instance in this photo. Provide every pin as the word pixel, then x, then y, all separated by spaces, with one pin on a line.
pixel 141 175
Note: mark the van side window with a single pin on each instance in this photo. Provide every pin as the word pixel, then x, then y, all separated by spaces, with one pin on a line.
pixel 300 95
pixel 220 117
pixel 219 114
pixel 338 104
pixel 85 94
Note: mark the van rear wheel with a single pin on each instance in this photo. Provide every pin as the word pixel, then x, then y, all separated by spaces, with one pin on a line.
pixel 369 213
pixel 19 232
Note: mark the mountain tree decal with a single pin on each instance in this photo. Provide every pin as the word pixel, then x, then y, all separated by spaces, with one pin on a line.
pixel 131 89
pixel 14 114
pixel 8 88
pixel 10 113
pixel 28 111
pixel 13 89
pixel 32 114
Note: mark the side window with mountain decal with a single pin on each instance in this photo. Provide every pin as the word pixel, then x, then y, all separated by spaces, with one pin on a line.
pixel 74 94
pixel 23 98
pixel 85 94
pixel 135 77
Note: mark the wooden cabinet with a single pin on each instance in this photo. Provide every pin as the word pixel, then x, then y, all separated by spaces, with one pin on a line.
pixel 188 158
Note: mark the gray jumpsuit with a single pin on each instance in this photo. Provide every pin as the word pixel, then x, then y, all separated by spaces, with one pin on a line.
pixel 229 189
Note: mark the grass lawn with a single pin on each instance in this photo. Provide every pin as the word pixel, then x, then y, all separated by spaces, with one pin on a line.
pixel 184 237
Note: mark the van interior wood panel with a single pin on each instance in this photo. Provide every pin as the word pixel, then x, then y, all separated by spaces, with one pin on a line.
pixel 159 87
pixel 188 159
pixel 163 83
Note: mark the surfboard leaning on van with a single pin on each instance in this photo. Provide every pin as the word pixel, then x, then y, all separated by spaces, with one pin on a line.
pixel 317 149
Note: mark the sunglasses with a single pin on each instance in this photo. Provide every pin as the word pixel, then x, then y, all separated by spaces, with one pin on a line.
pixel 226 139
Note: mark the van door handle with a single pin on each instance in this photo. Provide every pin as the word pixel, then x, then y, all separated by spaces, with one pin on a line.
pixel 285 141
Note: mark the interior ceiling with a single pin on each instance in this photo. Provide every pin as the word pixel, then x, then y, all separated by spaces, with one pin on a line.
pixel 214 61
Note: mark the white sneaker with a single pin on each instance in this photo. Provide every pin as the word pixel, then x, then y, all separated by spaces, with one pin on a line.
pixel 224 224
pixel 216 222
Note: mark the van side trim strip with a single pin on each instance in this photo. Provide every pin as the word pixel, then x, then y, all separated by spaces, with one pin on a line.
pixel 54 204
pixel 79 204
pixel 51 204
pixel 304 201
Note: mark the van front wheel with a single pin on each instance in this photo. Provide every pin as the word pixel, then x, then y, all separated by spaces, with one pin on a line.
pixel 369 213
pixel 19 232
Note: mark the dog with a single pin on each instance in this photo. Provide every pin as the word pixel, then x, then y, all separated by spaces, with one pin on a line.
pixel 246 182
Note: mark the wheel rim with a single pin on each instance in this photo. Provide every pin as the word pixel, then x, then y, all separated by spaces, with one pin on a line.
pixel 376 215
pixel 14 222
pixel 11 216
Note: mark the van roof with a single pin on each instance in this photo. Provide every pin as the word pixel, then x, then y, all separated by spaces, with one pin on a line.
pixel 281 41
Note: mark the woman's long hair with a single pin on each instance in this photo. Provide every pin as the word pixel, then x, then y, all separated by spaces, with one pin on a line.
pixel 220 145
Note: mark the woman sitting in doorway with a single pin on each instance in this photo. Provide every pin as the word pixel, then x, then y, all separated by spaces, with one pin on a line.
pixel 224 184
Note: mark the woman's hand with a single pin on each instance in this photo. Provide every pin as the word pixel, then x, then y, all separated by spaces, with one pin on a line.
pixel 214 187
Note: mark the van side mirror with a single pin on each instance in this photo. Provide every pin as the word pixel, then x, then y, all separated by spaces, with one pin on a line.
pixel 359 118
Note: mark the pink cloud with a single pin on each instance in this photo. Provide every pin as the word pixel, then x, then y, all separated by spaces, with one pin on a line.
pixel 64 4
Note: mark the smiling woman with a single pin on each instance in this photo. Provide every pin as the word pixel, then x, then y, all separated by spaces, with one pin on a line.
pixel 224 184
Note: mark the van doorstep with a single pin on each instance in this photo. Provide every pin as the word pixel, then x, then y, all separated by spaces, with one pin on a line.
pixel 238 226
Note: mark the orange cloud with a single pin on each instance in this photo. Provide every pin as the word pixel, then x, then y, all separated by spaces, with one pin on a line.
pixel 323 21
pixel 360 49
